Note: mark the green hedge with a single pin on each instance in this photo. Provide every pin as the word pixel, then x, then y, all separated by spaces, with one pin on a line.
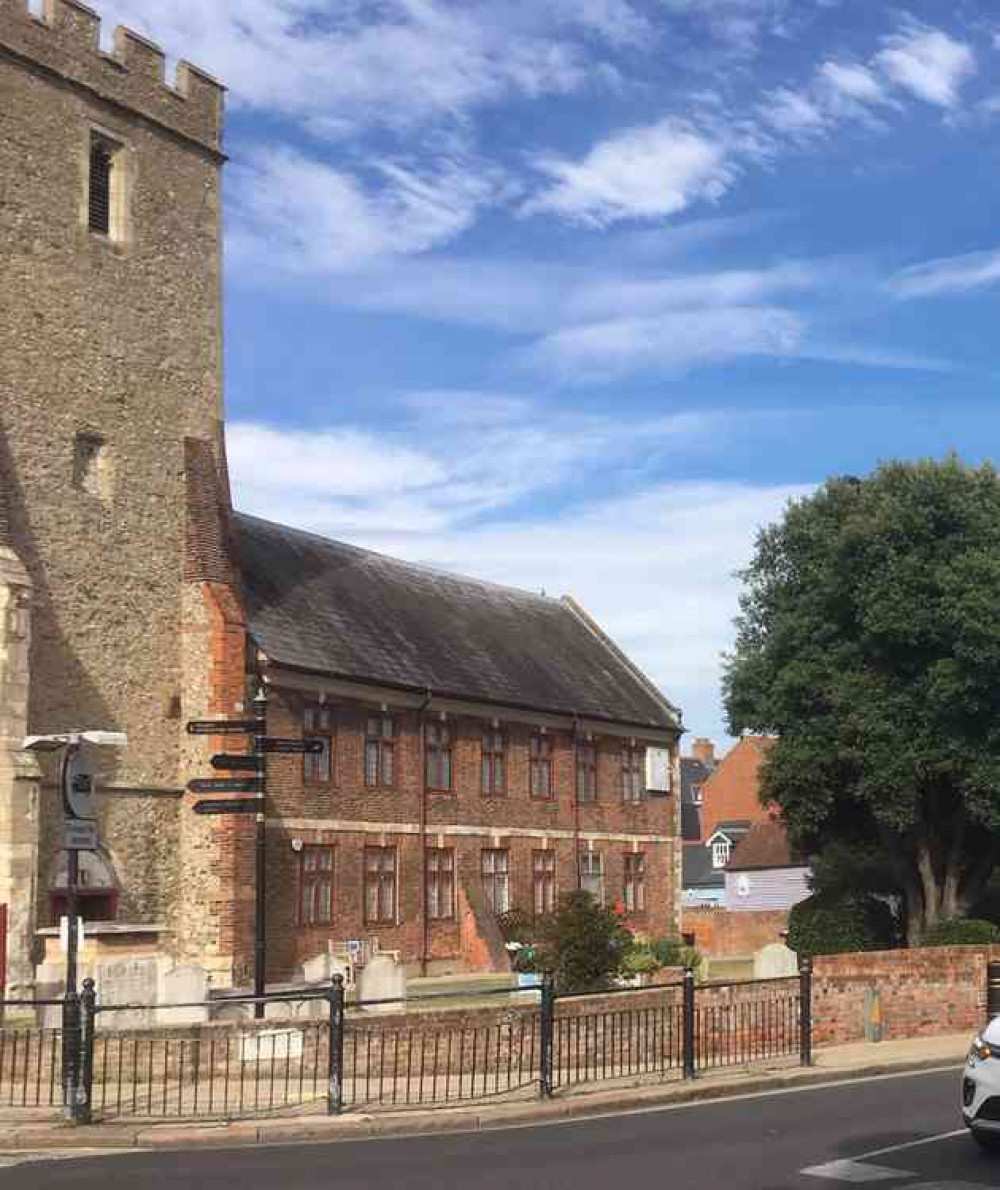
pixel 961 931
pixel 824 926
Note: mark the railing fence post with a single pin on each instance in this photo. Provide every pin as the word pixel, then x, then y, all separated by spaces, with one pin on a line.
pixel 88 1026
pixel 70 1054
pixel 548 1017
pixel 335 1091
pixel 805 1010
pixel 690 1055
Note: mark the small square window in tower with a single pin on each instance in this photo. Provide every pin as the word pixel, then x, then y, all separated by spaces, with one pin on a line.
pixel 92 466
pixel 101 185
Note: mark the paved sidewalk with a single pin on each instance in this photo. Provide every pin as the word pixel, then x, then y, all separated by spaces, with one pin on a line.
pixel 837 1063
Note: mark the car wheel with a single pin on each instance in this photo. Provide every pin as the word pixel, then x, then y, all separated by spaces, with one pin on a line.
pixel 989 1141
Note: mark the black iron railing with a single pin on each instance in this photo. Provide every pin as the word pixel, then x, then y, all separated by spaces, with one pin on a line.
pixel 326 1056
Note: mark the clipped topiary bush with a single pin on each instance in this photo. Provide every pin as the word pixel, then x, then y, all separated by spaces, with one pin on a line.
pixel 960 931
pixel 583 944
pixel 822 926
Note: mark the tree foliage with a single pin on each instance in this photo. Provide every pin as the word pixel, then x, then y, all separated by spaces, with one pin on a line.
pixel 961 931
pixel 583 945
pixel 869 644
pixel 820 925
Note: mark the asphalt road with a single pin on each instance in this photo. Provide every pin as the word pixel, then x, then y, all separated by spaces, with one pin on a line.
pixel 891 1132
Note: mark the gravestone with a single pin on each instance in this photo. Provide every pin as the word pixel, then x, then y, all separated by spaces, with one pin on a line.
pixel 186 986
pixel 317 970
pixel 382 978
pixel 134 982
pixel 775 962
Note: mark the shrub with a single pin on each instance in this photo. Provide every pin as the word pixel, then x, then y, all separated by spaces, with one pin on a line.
pixel 668 951
pixel 583 945
pixel 516 925
pixel 820 925
pixel 960 931
pixel 640 960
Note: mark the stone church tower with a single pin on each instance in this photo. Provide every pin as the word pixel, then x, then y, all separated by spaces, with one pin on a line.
pixel 113 496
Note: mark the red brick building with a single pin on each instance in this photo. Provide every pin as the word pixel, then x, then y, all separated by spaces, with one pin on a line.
pixel 485 749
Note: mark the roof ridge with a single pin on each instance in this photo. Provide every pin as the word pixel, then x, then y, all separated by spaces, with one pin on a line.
pixel 580 612
pixel 419 567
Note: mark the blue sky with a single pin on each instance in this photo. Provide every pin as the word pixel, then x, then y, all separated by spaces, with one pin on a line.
pixel 576 294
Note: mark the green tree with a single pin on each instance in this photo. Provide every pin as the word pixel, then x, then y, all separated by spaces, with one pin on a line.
pixel 583 945
pixel 869 644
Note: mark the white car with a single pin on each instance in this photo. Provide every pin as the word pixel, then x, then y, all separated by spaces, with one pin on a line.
pixel 981 1088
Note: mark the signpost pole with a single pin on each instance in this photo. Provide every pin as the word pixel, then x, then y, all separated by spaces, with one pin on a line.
pixel 72 881
pixel 260 906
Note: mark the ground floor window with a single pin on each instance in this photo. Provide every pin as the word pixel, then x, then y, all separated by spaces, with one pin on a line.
pixel 316 886
pixel 496 879
pixel 592 874
pixel 543 866
pixel 440 884
pixel 635 882
pixel 380 885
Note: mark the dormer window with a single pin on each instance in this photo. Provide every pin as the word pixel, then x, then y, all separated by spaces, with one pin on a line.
pixel 721 849
pixel 696 795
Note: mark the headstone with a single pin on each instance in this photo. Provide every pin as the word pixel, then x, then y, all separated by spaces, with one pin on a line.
pixel 873 1021
pixel 775 962
pixel 133 982
pixel 272 1045
pixel 317 970
pixel 186 986
pixel 382 978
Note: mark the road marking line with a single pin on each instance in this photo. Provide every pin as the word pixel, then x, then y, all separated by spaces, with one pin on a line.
pixel 913 1144
pixel 856 1171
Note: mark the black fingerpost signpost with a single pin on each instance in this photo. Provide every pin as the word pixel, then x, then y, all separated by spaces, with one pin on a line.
pixel 254 783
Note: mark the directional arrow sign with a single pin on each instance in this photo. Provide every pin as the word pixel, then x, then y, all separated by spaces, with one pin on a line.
pixel 222 727
pixel 238 764
pixel 232 806
pixel 224 785
pixel 294 747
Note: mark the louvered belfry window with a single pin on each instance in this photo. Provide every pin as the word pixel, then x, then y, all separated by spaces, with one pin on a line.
pixel 101 168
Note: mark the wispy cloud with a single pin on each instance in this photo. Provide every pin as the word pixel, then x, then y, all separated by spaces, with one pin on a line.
pixel 616 553
pixel 948 275
pixel 640 173
pixel 928 63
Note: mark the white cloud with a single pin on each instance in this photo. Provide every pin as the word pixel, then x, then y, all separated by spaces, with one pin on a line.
pixel 607 350
pixel 951 274
pixel 655 567
pixel 305 215
pixel 641 173
pixel 791 113
pixel 853 81
pixel 927 63
pixel 347 64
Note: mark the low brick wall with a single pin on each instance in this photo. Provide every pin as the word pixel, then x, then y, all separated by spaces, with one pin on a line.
pixel 924 993
pixel 719 933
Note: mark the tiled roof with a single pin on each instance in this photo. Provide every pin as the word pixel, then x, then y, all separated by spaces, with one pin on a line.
pixel 765 846
pixel 690 822
pixel 329 608
pixel 697 870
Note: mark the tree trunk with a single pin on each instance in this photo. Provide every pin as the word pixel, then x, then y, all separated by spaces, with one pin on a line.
pixel 930 889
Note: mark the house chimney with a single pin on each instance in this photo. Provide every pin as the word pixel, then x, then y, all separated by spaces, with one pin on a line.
pixel 704 750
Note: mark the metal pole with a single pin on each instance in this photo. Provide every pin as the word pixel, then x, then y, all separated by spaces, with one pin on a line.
pixel 335 1092
pixel 84 1100
pixel 70 1054
pixel 548 1013
pixel 690 1055
pixel 72 881
pixel 260 849
pixel 805 1011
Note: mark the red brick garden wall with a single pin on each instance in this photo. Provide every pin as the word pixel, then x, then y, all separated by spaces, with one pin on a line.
pixel 721 934
pixel 924 993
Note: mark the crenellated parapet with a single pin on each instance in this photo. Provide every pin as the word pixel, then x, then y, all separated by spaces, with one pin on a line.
pixel 66 41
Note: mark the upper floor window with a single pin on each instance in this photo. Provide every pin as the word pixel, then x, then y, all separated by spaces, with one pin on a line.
pixel 586 772
pixel 496 879
pixel 541 766
pixel 494 762
pixel 438 737
pixel 696 795
pixel 99 196
pixel 380 752
pixel 316 886
pixel 592 874
pixel 317 724
pixel 635 882
pixel 633 772
pixel 720 853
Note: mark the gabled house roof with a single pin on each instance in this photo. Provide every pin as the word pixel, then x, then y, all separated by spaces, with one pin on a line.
pixel 730 831
pixel 698 870
pixel 694 772
pixel 766 845
pixel 327 608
